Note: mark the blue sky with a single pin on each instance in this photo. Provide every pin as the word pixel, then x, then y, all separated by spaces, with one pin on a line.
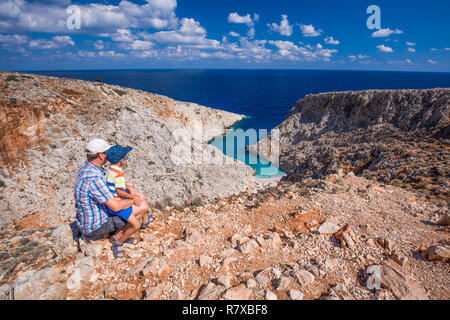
pixel 414 35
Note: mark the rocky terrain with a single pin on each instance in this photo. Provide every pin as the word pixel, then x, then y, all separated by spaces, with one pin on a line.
pixel 334 229
pixel 400 137
pixel 46 122
pixel 321 239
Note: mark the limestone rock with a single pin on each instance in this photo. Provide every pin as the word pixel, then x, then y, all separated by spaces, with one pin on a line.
pixel 327 228
pixel 54 292
pixel 224 280
pixel 251 283
pixel 155 267
pixel 391 276
pixel 65 245
pixel 194 237
pixel 31 284
pixel 282 283
pixel 228 260
pixel 346 237
pixel 295 295
pixel 152 293
pixel 275 239
pixel 445 220
pixel 438 253
pixel 304 277
pixel 211 292
pixel 4 292
pixel 237 293
pixel 249 247
pixel 204 260
pixel 82 272
pixel 269 295
pixel 262 280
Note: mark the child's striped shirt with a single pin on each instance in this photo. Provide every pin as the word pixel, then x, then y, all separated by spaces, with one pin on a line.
pixel 115 179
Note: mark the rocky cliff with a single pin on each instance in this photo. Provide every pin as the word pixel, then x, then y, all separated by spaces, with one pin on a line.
pixel 398 136
pixel 46 122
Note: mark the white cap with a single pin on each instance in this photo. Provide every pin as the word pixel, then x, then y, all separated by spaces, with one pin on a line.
pixel 97 146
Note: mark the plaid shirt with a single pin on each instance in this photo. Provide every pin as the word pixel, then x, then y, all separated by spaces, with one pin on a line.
pixel 91 192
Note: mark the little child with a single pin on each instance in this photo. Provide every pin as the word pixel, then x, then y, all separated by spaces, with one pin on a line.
pixel 115 178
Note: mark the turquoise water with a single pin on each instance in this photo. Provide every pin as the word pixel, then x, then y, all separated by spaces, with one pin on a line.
pixel 263 168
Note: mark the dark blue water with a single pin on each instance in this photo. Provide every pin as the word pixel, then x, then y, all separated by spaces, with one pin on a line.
pixel 265 96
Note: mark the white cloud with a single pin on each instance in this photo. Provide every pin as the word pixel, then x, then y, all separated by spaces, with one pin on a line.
pixel 165 5
pixel 85 54
pixel 385 32
pixel 431 61
pixel 13 42
pixel 309 30
pixel 24 16
pixel 99 45
pixel 410 43
pixel 122 35
pixel 284 28
pixel 137 45
pixel 361 57
pixel 408 61
pixel 247 19
pixel 111 54
pixel 330 40
pixel 289 50
pixel 234 34
pixel 443 49
pixel 236 18
pixel 191 27
pixel 384 48
pixel 251 32
pixel 53 43
pixel 188 33
pixel 411 50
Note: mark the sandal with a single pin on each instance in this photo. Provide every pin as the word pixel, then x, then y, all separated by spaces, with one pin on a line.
pixel 131 241
pixel 116 252
pixel 150 219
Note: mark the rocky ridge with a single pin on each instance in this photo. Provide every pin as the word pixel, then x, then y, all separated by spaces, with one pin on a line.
pixel 45 123
pixel 400 137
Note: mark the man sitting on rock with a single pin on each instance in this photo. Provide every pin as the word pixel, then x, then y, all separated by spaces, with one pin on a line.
pixel 92 196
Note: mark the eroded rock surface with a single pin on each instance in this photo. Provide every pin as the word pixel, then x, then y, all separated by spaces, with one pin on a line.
pixel 46 122
pixel 398 136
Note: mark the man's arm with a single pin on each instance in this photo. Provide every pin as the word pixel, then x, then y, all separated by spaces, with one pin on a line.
pixel 125 195
pixel 117 205
pixel 99 191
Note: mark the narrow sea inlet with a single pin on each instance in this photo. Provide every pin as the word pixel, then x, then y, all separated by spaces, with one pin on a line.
pixel 234 144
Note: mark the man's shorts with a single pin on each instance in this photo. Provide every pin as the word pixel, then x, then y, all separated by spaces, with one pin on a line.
pixel 124 214
pixel 113 224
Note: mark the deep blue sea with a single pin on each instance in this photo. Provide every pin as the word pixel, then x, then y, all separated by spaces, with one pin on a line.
pixel 264 96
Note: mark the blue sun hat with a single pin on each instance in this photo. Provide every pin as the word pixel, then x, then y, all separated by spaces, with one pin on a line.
pixel 117 153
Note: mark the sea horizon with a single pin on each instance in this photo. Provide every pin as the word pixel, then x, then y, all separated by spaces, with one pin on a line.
pixel 224 68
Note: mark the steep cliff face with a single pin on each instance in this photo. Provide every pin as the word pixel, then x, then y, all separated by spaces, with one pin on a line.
pixel 46 122
pixel 398 136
